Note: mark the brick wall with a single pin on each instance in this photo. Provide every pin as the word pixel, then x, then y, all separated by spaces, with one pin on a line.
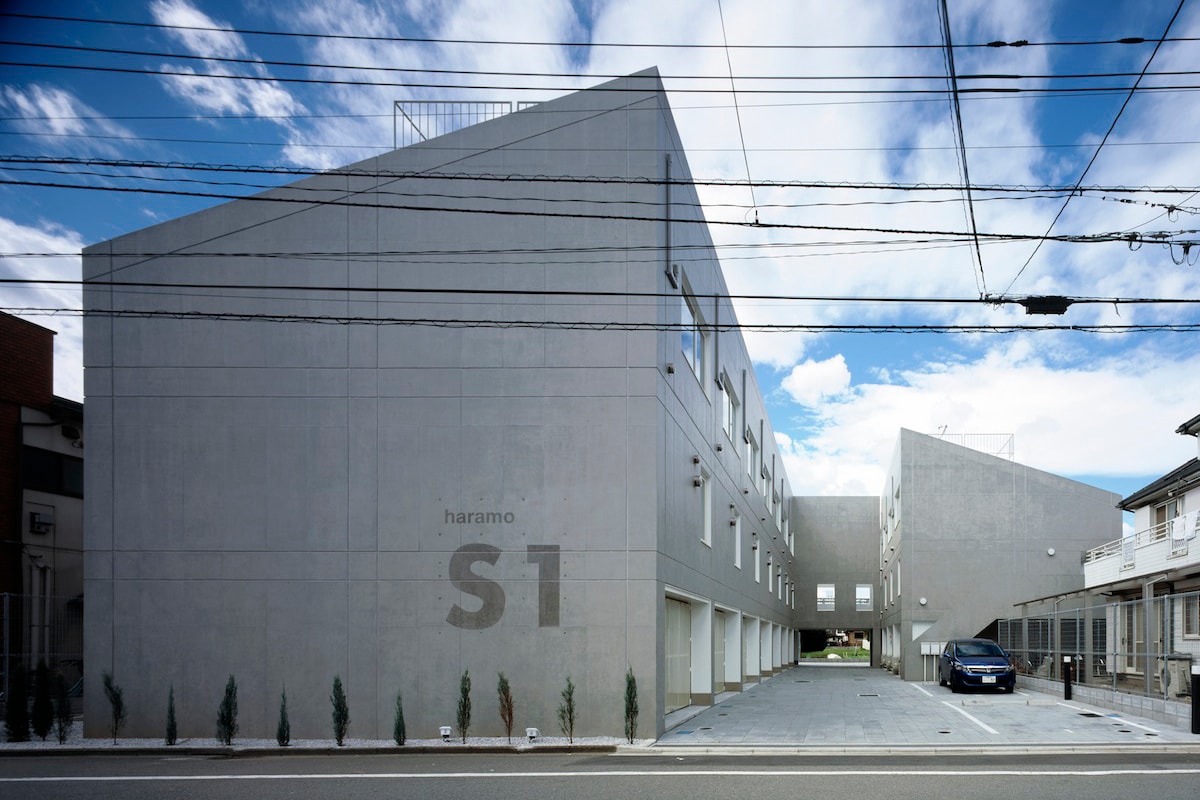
pixel 26 379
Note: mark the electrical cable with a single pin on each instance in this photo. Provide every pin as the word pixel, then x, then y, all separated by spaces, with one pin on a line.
pixel 1127 40
pixel 1100 146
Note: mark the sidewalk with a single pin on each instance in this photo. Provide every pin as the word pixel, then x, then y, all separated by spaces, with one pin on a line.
pixel 856 707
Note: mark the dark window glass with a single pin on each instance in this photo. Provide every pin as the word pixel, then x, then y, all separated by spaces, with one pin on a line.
pixel 47 471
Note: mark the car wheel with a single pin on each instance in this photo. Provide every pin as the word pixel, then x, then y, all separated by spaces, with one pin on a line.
pixel 954 687
pixel 941 680
pixel 1009 689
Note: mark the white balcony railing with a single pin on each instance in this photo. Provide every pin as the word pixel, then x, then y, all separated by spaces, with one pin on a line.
pixel 1146 551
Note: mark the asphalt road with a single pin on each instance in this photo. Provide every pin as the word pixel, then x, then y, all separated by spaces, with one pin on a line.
pixel 1164 776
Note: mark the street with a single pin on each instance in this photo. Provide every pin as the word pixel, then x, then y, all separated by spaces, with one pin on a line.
pixel 1165 776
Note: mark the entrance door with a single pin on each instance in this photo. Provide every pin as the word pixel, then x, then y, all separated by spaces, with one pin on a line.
pixel 718 638
pixel 678 647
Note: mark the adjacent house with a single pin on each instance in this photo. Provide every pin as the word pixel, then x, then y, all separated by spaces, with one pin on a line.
pixel 41 507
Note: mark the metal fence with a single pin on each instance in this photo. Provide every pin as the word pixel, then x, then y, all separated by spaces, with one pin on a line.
pixel 42 628
pixel 1144 646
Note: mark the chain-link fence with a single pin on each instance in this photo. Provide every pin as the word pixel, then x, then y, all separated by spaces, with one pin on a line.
pixel 42 628
pixel 1144 646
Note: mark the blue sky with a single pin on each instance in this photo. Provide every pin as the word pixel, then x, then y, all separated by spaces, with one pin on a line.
pixel 1099 407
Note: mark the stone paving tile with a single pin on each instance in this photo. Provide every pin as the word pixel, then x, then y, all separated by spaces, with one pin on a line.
pixel 850 705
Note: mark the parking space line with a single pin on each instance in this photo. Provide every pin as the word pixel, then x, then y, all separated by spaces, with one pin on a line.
pixel 977 721
pixel 1117 717
pixel 921 689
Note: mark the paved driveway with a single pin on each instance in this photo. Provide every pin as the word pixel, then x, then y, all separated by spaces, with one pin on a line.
pixel 853 706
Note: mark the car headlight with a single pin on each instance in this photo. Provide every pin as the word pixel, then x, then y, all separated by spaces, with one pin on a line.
pixel 958 667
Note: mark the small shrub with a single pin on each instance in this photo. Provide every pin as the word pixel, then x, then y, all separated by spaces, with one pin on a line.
pixel 283 731
pixel 566 712
pixel 506 705
pixel 172 733
pixel 341 711
pixel 42 718
pixel 631 706
pixel 16 709
pixel 116 705
pixel 62 709
pixel 464 705
pixel 227 726
pixel 398 731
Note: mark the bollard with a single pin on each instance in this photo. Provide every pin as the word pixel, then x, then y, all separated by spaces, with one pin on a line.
pixel 1066 677
pixel 1195 698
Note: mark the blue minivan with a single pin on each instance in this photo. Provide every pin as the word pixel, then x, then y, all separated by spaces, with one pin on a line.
pixel 977 663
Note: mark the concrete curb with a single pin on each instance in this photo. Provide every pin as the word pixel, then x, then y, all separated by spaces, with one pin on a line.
pixel 259 752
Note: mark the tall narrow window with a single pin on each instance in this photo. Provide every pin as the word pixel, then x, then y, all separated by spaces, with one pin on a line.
pixel 692 335
pixel 862 597
pixel 729 409
pixel 757 561
pixel 736 524
pixel 706 507
pixel 770 573
pixel 826 597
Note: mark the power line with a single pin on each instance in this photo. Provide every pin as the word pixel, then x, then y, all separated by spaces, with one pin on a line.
pixel 982 90
pixel 1127 40
pixel 589 326
pixel 591 293
pixel 961 140
pixel 513 177
pixel 1159 236
pixel 1100 146
pixel 260 62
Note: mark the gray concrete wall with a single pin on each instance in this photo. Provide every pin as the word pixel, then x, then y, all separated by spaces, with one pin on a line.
pixel 840 537
pixel 395 504
pixel 974 537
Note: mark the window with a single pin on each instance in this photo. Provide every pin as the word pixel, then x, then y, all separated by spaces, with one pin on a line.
pixel 862 597
pixel 706 507
pixel 51 472
pixel 736 523
pixel 770 573
pixel 757 561
pixel 729 409
pixel 826 597
pixel 752 458
pixel 692 336
pixel 1191 615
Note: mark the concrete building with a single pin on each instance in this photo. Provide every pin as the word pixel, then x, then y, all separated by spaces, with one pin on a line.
pixel 534 445
pixel 838 570
pixel 41 506
pixel 966 535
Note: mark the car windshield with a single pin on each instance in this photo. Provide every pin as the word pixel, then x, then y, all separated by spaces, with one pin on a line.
pixel 968 649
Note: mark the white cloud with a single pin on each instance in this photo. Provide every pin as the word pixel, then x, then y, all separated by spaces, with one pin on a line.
pixel 1113 416
pixel 47 238
pixel 813 381
pixel 220 95
pixel 51 113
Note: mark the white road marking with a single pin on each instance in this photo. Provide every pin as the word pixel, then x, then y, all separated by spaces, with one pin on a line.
pixel 920 689
pixel 1117 717
pixel 666 773
pixel 976 720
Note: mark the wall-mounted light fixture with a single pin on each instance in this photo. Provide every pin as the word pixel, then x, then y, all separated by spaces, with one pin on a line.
pixel 922 601
pixel 1050 551
pixel 697 481
pixel 445 730
pixel 670 369
pixel 532 733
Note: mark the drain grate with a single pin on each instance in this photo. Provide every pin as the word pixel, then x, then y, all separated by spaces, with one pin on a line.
pixel 706 729
pixel 1088 714
pixel 868 695
pixel 802 681
pixel 943 731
